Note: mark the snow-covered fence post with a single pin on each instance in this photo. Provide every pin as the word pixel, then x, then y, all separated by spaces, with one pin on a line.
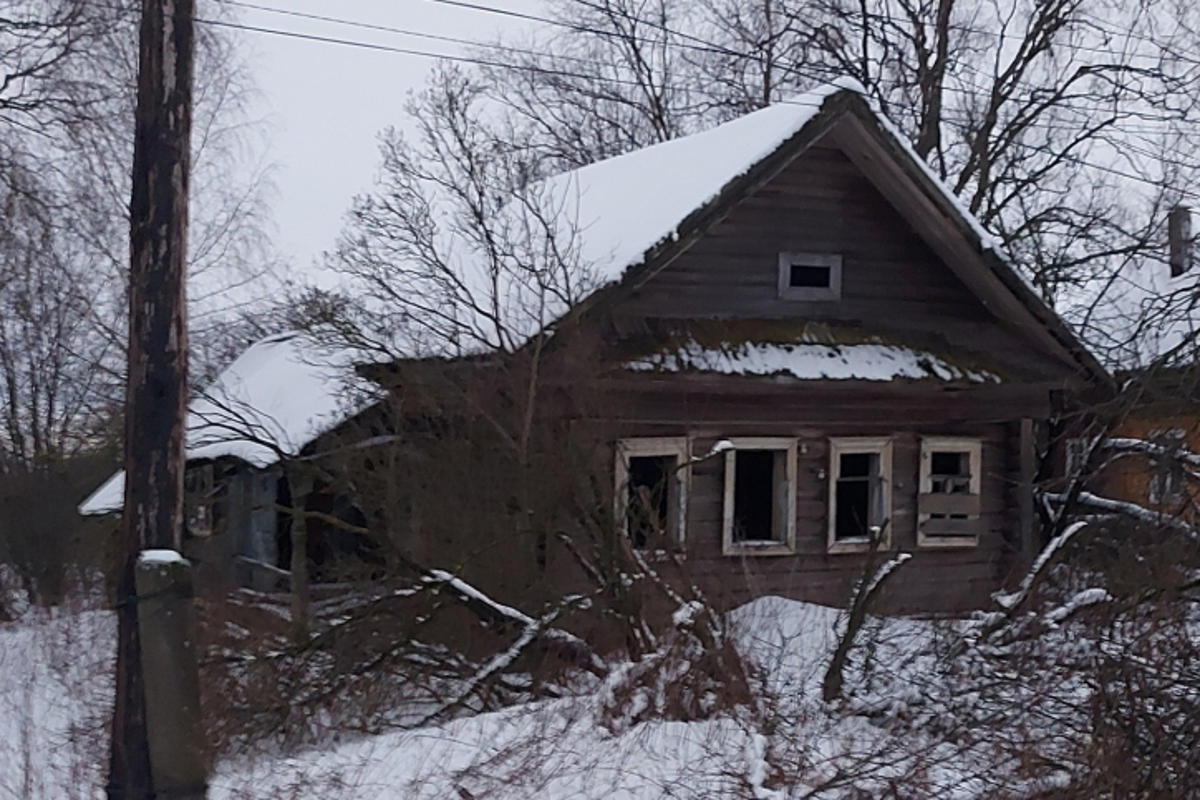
pixel 178 753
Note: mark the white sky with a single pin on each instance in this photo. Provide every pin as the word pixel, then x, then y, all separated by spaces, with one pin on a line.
pixel 325 103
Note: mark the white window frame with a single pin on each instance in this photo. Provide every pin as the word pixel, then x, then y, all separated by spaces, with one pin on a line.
pixel 954 444
pixel 850 445
pixel 812 293
pixel 654 446
pixel 786 545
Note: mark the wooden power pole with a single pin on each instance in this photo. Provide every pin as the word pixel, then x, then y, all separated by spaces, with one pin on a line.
pixel 156 395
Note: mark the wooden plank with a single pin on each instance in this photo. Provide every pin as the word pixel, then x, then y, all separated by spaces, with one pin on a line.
pixel 953 527
pixel 941 503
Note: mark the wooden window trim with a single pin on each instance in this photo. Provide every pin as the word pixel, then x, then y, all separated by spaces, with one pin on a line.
pixel 677 446
pixel 785 546
pixel 810 293
pixel 848 445
pixel 974 448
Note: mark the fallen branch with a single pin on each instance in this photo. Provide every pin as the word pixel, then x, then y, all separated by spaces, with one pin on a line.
pixel 503 618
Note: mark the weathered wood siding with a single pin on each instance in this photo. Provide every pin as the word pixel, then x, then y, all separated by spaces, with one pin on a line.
pixel 892 281
pixel 936 580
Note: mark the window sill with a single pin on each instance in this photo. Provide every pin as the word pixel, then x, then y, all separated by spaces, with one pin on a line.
pixel 946 542
pixel 856 546
pixel 759 549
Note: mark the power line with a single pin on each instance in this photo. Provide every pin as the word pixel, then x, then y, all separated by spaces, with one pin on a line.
pixel 408 51
pixel 794 70
pixel 558 72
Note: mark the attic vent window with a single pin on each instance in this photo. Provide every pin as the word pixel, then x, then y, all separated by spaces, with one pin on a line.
pixel 810 276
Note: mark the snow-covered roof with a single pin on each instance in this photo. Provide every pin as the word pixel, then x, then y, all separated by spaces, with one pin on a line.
pixel 623 207
pixel 621 212
pixel 868 361
pixel 275 398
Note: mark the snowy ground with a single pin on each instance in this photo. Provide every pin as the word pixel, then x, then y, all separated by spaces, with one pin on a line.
pixel 55 695
pixel 561 748
pixel 55 703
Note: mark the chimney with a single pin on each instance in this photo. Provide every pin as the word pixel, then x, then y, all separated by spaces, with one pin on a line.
pixel 1179 232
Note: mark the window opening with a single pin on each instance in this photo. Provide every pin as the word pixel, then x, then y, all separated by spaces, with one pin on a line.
pixel 648 502
pixel 651 490
pixel 808 277
pixel 950 473
pixel 859 492
pixel 755 513
pixel 760 509
pixel 859 496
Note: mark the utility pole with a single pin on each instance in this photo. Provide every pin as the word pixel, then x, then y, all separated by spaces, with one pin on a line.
pixel 156 393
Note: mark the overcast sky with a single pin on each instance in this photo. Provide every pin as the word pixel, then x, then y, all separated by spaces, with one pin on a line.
pixel 326 103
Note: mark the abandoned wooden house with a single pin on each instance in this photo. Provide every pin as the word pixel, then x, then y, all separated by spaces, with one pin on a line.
pixel 815 307
pixel 810 354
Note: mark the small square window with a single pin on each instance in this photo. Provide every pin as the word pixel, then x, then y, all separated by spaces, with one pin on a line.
pixel 810 276
pixel 760 497
pixel 948 506
pixel 859 493
pixel 651 490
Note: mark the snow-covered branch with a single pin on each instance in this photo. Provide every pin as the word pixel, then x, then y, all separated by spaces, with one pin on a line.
pixel 1012 600
pixel 500 617
pixel 1131 510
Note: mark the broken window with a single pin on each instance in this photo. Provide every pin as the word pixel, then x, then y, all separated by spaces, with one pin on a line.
pixel 760 496
pixel 1167 480
pixel 859 492
pixel 810 276
pixel 948 505
pixel 652 490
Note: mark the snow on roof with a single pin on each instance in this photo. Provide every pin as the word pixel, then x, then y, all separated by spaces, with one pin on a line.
pixel 870 361
pixel 623 206
pixel 275 398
